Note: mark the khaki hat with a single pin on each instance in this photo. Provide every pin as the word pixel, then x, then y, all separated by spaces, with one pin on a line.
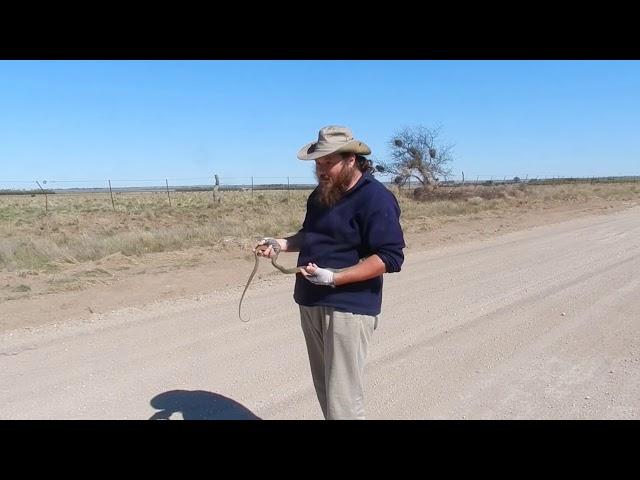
pixel 332 139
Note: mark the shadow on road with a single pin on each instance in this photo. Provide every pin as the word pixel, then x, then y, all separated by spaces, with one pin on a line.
pixel 199 405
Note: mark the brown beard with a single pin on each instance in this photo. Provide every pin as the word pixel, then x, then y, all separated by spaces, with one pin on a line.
pixel 329 191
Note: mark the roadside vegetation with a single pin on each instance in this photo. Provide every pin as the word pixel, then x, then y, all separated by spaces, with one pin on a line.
pixel 80 228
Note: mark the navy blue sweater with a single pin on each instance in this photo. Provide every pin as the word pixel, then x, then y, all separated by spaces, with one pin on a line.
pixel 364 222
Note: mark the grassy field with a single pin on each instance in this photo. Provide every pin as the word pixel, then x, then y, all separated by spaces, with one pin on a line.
pixel 79 228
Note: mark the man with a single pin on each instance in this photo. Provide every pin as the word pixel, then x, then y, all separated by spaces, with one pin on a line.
pixel 351 235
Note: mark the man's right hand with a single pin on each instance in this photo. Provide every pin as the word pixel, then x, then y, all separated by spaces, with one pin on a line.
pixel 273 245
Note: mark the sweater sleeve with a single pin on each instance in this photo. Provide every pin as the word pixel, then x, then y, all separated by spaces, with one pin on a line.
pixel 382 233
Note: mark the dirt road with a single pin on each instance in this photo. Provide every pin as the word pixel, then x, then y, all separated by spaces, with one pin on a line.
pixel 535 324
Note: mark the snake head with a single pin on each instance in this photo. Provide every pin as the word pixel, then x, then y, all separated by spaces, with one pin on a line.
pixel 269 242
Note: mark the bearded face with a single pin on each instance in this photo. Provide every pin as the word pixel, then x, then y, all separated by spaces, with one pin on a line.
pixel 334 175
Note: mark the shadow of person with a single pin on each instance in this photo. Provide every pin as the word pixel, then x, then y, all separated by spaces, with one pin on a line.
pixel 199 405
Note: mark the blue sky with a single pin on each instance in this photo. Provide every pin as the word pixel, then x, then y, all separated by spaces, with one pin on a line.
pixel 187 120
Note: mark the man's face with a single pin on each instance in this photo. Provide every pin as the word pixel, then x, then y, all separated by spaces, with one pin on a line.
pixel 334 174
pixel 328 168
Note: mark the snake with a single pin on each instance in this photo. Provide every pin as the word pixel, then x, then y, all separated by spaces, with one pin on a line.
pixel 270 242
pixel 274 258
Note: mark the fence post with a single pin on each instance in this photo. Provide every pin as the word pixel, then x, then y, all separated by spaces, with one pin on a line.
pixel 216 187
pixel 168 196
pixel 251 186
pixel 111 192
pixel 46 200
pixel 288 188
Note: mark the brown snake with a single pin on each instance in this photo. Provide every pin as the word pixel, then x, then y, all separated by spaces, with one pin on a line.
pixel 276 252
pixel 262 248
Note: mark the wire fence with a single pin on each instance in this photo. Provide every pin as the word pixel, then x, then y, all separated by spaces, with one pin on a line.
pixel 214 183
pixel 119 194
pixel 169 188
pixel 254 183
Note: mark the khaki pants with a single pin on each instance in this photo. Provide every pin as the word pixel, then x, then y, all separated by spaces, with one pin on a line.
pixel 337 344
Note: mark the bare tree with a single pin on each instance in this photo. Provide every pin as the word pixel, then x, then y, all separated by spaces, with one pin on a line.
pixel 416 153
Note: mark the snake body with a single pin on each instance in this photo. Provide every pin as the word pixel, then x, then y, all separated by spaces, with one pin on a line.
pixel 262 248
pixel 274 258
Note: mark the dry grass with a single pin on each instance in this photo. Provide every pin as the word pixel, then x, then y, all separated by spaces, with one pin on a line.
pixel 85 227
pixel 81 228
pixel 422 211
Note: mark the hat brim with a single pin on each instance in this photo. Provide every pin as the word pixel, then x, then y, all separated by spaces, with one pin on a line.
pixel 310 152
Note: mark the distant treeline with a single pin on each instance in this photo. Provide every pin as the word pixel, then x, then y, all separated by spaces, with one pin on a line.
pixel 272 186
pixel 207 188
pixel 543 181
pixel 25 192
pixel 539 181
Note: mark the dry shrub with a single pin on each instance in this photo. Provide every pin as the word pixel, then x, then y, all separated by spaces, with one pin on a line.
pixel 427 194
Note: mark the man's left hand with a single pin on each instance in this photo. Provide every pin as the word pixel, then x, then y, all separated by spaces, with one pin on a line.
pixel 318 276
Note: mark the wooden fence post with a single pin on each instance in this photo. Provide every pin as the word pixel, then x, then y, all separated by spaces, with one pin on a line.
pixel 111 192
pixel 46 200
pixel 216 187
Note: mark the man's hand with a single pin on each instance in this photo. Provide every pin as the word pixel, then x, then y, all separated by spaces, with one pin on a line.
pixel 318 276
pixel 273 247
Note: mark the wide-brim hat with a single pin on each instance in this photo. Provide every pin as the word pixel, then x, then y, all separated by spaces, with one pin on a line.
pixel 333 139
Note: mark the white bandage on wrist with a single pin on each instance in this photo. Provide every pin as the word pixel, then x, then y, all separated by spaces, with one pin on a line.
pixel 322 276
